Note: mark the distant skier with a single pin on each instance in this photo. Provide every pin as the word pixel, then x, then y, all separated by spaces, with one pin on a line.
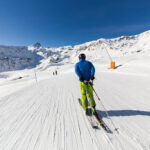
pixel 56 72
pixel 86 71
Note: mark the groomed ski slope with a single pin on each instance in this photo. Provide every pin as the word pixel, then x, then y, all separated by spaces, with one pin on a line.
pixel 46 115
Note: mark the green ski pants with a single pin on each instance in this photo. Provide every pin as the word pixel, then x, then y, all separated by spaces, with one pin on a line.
pixel 87 91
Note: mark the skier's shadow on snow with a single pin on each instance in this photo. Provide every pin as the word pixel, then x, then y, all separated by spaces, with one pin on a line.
pixel 123 113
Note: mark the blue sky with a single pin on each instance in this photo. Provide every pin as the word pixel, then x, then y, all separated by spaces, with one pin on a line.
pixel 69 22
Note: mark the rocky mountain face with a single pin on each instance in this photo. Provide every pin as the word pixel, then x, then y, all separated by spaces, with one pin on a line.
pixel 17 57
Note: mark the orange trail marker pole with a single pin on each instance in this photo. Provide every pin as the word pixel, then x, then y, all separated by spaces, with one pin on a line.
pixel 112 65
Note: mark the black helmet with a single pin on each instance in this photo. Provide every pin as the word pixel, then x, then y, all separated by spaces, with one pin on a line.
pixel 82 56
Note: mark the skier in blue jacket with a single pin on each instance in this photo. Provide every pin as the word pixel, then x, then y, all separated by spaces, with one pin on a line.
pixel 86 71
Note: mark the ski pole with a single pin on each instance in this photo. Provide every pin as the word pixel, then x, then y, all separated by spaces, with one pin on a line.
pixel 35 76
pixel 108 116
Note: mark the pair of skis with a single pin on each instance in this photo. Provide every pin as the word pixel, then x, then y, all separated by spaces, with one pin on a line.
pixel 96 116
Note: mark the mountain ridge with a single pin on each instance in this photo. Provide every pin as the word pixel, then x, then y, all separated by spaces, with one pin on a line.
pixel 21 57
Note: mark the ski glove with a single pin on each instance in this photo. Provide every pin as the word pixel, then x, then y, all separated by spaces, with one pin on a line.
pixel 92 78
pixel 81 79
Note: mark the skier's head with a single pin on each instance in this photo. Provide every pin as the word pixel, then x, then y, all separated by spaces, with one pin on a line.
pixel 82 56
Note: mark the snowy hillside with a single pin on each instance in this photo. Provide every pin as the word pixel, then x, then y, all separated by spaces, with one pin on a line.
pixel 45 114
pixel 121 46
pixel 12 58
pixel 40 111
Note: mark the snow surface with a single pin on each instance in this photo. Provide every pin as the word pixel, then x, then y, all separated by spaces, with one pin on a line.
pixel 39 111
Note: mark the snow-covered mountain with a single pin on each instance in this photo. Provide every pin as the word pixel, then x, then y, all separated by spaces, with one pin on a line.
pixel 13 58
pixel 17 57
pixel 40 110
pixel 121 46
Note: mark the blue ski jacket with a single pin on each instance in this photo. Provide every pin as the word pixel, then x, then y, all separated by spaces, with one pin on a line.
pixel 84 69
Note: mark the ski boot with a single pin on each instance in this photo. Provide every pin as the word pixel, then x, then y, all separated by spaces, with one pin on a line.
pixel 88 112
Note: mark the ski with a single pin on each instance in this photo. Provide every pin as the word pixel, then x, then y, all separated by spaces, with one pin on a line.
pixel 99 120
pixel 102 123
pixel 90 116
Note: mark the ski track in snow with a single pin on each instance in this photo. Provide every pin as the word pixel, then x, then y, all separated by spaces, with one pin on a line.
pixel 47 115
